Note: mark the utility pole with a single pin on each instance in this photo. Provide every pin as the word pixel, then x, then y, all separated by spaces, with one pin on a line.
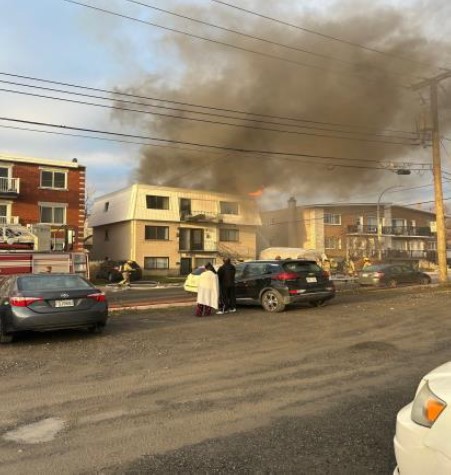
pixel 437 172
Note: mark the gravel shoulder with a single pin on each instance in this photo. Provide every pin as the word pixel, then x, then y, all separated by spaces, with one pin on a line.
pixel 163 382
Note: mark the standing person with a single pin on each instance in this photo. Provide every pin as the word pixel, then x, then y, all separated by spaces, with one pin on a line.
pixel 326 265
pixel 226 274
pixel 126 271
pixel 207 292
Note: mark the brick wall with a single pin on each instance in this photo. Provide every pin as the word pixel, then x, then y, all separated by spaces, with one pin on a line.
pixel 26 205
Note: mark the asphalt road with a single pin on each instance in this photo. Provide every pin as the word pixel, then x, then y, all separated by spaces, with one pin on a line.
pixel 306 391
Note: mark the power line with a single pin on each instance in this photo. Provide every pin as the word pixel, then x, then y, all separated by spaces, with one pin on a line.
pixel 208 114
pixel 229 45
pixel 207 121
pixel 200 106
pixel 329 37
pixel 267 153
pixel 265 40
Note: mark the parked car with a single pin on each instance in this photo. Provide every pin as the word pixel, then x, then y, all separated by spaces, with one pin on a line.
pixel 43 302
pixel 109 270
pixel 391 275
pixel 276 283
pixel 423 427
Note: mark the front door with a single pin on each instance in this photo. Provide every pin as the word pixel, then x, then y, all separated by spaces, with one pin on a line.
pixel 185 266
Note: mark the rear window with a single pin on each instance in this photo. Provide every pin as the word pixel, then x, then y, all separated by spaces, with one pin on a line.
pixel 375 268
pixel 45 282
pixel 301 266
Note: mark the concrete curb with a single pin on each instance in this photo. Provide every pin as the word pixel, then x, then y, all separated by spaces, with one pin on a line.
pixel 118 308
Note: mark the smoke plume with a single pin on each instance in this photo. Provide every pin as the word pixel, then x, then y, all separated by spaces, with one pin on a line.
pixel 365 91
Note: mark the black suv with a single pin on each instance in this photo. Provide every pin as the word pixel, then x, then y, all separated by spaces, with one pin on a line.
pixel 109 270
pixel 277 283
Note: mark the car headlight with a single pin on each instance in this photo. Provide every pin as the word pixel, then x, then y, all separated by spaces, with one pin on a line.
pixel 427 407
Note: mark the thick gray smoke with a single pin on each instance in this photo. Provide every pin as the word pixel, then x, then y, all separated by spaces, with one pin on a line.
pixel 366 95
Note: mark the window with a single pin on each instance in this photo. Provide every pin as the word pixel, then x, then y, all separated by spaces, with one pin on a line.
pixel 106 206
pixel 332 218
pixel 159 263
pixel 52 213
pixel 53 179
pixel 157 202
pixel 156 232
pixel 229 235
pixel 202 261
pixel 228 207
pixel 332 242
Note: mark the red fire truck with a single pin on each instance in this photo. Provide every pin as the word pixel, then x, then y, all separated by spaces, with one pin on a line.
pixel 27 262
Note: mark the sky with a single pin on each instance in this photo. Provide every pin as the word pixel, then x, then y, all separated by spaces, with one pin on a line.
pixel 61 41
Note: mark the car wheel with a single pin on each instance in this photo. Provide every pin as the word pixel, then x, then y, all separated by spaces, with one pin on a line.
pixel 317 303
pixel 392 283
pixel 272 301
pixel 4 338
pixel 425 280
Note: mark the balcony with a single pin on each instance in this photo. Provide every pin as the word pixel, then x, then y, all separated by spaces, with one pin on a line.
pixel 9 187
pixel 198 247
pixel 391 230
pixel 5 220
pixel 429 255
pixel 200 217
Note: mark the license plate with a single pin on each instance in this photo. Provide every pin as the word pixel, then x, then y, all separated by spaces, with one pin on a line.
pixel 64 303
pixel 311 279
pixel 364 275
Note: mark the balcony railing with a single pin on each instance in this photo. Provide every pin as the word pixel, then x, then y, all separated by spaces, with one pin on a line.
pixel 429 255
pixel 9 220
pixel 198 247
pixel 391 230
pixel 200 217
pixel 9 185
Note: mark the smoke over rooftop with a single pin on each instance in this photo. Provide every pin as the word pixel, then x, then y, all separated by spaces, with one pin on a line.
pixel 360 89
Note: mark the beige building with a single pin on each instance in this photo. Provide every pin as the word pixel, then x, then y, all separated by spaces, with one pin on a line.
pixel 341 230
pixel 173 230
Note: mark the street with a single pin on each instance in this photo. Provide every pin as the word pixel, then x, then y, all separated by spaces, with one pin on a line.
pixel 305 391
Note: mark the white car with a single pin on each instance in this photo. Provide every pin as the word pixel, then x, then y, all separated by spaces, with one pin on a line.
pixel 192 280
pixel 423 428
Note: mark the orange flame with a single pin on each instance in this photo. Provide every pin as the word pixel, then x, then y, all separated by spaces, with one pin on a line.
pixel 256 193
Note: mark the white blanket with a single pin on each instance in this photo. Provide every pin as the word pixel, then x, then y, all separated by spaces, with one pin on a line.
pixel 208 289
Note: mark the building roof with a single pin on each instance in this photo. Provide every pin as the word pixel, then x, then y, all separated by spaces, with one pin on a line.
pixel 352 205
pixel 130 203
pixel 5 158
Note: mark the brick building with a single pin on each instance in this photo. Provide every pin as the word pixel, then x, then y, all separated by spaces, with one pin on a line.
pixel 173 230
pixel 341 230
pixel 45 192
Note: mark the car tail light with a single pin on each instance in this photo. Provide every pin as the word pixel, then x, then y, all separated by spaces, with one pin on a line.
pixel 98 297
pixel 379 274
pixel 286 276
pixel 326 274
pixel 24 301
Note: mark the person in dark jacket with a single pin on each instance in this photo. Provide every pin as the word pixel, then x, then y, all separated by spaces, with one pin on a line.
pixel 226 275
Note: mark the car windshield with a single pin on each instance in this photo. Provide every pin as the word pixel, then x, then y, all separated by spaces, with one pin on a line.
pixel 44 282
pixel 301 266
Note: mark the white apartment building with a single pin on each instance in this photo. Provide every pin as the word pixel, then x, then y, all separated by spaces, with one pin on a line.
pixel 173 230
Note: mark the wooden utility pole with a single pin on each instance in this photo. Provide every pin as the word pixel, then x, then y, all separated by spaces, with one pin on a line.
pixel 437 172
pixel 438 189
